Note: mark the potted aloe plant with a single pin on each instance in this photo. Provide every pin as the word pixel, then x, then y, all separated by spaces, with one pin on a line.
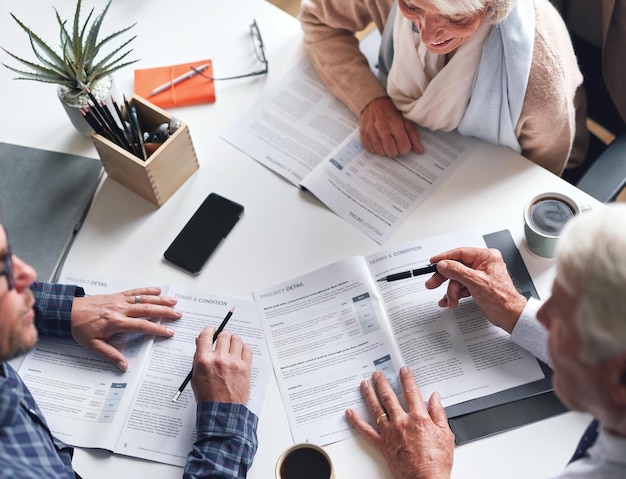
pixel 81 63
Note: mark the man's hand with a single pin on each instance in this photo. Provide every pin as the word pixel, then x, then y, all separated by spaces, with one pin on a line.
pixel 223 374
pixel 416 443
pixel 96 318
pixel 482 274
pixel 385 131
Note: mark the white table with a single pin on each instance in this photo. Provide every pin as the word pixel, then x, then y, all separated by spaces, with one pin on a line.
pixel 284 231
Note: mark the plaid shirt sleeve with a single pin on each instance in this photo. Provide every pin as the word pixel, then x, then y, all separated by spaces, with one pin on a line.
pixel 27 448
pixel 226 442
pixel 53 308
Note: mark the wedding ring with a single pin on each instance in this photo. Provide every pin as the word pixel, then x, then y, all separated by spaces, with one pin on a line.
pixel 380 417
pixel 137 298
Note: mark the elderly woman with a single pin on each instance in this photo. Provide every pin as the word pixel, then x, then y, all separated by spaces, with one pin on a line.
pixel 500 70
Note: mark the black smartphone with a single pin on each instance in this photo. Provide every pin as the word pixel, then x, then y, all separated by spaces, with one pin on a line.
pixel 203 233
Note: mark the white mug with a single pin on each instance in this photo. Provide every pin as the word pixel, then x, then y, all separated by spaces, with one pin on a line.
pixel 304 461
pixel 544 218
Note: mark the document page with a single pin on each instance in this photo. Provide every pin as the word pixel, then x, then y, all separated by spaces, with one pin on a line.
pixel 458 353
pixel 329 329
pixel 294 126
pixel 162 430
pixel 84 398
pixel 326 331
pixel 376 194
pixel 89 403
pixel 302 132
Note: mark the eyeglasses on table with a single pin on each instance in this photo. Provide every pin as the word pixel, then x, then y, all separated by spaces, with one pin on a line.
pixel 259 51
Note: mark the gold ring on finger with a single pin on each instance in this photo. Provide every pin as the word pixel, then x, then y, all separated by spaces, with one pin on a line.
pixel 380 417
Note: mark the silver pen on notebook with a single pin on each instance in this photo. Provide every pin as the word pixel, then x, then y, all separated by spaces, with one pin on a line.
pixel 191 73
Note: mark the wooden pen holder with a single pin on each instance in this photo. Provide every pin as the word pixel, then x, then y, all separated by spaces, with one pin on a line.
pixel 157 178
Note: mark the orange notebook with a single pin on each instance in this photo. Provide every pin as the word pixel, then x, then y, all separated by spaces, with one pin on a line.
pixel 192 91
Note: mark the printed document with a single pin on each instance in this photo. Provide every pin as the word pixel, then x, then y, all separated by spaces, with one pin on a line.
pixel 302 132
pixel 89 403
pixel 329 329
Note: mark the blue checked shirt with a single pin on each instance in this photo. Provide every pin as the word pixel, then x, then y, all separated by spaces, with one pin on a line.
pixel 226 442
pixel 226 433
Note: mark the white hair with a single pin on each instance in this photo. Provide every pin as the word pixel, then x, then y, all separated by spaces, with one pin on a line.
pixel 497 10
pixel 591 266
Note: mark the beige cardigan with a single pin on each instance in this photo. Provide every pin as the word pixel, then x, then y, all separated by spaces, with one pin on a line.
pixel 547 127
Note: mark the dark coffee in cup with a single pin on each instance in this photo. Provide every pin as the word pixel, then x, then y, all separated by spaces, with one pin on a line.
pixel 305 463
pixel 549 215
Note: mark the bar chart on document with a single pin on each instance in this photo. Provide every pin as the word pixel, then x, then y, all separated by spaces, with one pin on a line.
pixel 346 154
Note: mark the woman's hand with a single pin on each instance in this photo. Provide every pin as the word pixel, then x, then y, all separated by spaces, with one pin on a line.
pixel 385 131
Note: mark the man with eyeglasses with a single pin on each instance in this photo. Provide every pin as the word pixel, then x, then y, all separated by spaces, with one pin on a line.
pixel 226 430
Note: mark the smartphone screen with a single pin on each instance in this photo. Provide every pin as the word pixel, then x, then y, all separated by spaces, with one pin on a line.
pixel 203 233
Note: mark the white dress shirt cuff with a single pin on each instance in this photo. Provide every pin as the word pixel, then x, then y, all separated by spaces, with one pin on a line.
pixel 529 333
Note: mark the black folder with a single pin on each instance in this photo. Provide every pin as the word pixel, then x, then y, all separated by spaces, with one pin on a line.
pixel 45 196
pixel 513 407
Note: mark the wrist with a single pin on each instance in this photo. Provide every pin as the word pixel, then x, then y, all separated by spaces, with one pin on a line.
pixel 515 307
pixel 373 101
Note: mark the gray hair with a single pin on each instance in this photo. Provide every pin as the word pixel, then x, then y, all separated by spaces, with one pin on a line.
pixel 497 10
pixel 591 266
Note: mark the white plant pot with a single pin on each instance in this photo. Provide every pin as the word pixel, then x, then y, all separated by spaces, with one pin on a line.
pixel 102 90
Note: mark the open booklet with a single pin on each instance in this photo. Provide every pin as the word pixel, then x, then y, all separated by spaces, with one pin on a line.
pixel 329 329
pixel 90 403
pixel 302 132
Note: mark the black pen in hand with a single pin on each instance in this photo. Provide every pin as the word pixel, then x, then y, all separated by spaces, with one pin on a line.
pixel 217 332
pixel 431 268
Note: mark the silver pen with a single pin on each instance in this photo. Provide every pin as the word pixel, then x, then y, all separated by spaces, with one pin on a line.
pixel 191 73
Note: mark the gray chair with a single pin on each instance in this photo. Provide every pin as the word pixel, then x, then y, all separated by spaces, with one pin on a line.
pixel 606 175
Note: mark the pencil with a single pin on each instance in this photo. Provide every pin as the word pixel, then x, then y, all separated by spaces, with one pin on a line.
pixel 87 115
pixel 219 329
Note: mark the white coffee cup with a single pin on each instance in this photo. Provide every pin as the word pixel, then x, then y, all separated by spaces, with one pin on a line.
pixel 304 461
pixel 544 218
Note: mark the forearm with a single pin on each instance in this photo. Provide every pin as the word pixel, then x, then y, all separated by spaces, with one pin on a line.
pixel 53 308
pixel 226 442
pixel 329 37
